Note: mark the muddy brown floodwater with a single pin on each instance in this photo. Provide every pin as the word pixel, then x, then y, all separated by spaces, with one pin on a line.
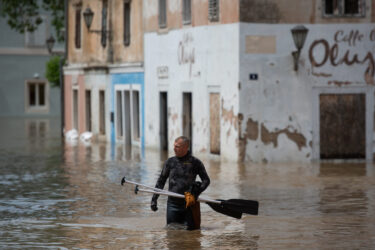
pixel 68 196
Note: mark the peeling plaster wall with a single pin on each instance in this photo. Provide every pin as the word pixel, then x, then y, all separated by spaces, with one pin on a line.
pixel 278 109
pixel 193 60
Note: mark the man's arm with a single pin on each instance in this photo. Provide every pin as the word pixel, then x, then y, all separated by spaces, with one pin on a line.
pixel 160 183
pixel 203 175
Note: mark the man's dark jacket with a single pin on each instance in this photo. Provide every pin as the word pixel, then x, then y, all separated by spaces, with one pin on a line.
pixel 182 173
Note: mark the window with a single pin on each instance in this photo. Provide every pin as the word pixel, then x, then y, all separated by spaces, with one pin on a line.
pixel 186 12
pixel 162 13
pixel 77 38
pixel 127 22
pixel 213 10
pixel 104 23
pixel 37 38
pixel 343 8
pixel 36 96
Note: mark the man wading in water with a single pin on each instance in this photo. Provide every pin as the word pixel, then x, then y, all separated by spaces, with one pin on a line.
pixel 182 171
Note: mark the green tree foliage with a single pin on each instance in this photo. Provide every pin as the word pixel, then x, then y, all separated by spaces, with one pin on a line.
pixel 24 15
pixel 53 71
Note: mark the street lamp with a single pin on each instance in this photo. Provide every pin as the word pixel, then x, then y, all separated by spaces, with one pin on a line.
pixel 299 34
pixel 88 16
pixel 50 42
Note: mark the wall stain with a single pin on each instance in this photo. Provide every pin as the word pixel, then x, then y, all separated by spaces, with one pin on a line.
pixel 252 130
pixel 174 118
pixel 228 116
pixel 203 150
pixel 268 137
pixel 241 141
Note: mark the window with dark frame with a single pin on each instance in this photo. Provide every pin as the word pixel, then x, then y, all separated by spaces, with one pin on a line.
pixel 186 11
pixel 162 13
pixel 127 11
pixel 36 96
pixel 343 8
pixel 213 10
pixel 104 23
pixel 77 38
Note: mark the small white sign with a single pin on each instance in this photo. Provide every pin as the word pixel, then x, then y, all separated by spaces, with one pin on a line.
pixel 162 72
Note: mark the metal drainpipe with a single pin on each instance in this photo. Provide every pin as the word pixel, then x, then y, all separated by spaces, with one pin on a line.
pixel 62 78
pixel 110 33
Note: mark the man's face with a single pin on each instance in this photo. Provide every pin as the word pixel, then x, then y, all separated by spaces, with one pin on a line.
pixel 180 148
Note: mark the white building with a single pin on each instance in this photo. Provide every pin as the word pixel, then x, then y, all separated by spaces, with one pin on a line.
pixel 222 73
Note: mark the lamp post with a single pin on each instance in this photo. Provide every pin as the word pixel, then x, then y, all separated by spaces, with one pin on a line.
pixel 299 34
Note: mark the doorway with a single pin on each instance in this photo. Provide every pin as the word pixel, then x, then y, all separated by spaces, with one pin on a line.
pixel 163 107
pixel 75 109
pixel 215 123
pixel 342 126
pixel 187 117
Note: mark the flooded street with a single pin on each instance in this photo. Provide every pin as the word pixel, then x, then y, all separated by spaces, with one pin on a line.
pixel 66 196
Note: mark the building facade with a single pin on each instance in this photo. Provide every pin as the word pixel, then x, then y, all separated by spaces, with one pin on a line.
pixel 104 76
pixel 222 72
pixel 24 90
pixel 226 74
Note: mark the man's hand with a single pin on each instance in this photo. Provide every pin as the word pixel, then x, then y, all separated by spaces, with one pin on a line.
pixel 154 206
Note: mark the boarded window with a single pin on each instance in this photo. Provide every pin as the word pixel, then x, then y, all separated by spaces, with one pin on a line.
pixel 344 8
pixel 162 13
pixel 77 38
pixel 213 10
pixel 186 11
pixel 127 22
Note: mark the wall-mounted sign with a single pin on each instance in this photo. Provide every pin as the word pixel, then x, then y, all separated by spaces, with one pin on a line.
pixel 162 71
pixel 253 76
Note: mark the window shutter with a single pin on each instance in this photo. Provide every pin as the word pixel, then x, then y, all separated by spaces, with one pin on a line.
pixel 213 10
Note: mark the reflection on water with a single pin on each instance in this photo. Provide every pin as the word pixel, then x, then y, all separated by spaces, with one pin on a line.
pixel 68 195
